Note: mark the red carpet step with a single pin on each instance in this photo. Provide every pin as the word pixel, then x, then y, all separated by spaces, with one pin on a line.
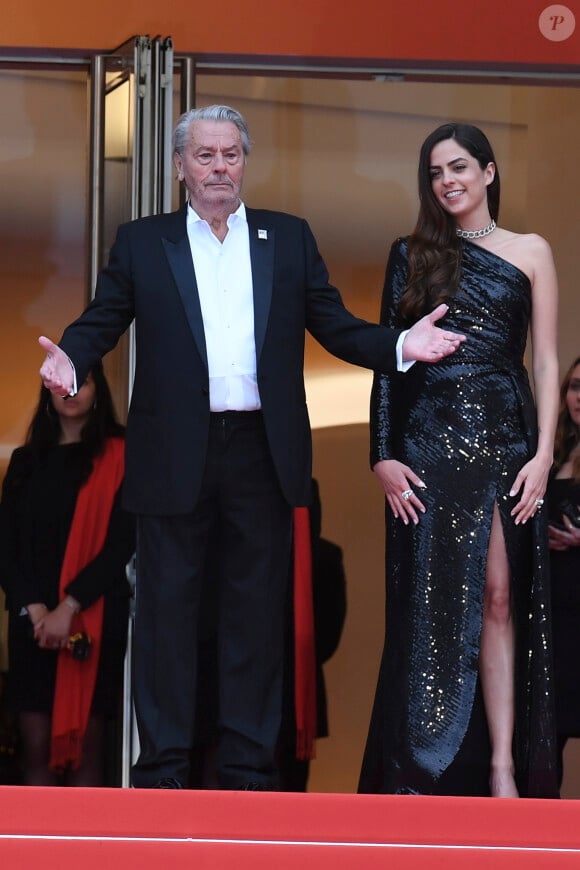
pixel 108 829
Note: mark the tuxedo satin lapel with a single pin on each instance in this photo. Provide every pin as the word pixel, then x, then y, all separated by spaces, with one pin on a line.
pixel 262 238
pixel 178 254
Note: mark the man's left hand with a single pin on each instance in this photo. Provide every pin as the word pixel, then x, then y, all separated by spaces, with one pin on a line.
pixel 429 343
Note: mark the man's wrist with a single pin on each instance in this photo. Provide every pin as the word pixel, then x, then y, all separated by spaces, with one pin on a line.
pixel 74 389
pixel 402 364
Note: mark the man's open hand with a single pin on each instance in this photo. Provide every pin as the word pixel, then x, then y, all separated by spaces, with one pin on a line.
pixel 56 371
pixel 429 343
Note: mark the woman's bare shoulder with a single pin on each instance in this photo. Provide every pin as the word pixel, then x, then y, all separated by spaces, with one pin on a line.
pixel 527 251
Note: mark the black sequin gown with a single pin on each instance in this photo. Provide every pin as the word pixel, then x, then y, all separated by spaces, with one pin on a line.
pixel 465 425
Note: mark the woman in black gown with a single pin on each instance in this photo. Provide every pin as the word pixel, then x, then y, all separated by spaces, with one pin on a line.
pixel 61 492
pixel 463 457
pixel 564 540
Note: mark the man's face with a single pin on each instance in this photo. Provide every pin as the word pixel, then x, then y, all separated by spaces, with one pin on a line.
pixel 212 165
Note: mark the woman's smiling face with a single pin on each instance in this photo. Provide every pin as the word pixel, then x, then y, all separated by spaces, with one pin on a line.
pixel 458 181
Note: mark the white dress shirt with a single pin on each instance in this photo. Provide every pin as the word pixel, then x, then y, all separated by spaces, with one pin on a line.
pixel 224 281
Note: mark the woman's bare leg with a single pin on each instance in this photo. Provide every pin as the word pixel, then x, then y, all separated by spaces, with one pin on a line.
pixel 496 663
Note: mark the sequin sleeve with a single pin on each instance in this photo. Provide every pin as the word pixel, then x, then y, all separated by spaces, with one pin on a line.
pixel 385 387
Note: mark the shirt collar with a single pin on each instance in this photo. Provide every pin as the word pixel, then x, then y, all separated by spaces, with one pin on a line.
pixel 237 215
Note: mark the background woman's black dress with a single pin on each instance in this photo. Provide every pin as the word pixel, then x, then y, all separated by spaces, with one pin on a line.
pixel 465 425
pixel 565 583
pixel 35 519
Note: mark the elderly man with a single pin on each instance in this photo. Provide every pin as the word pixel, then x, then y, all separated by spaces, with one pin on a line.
pixel 218 428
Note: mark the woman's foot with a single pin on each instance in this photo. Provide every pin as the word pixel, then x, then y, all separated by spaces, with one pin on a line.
pixel 502 783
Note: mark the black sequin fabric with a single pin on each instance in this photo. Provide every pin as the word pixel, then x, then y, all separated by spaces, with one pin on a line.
pixel 465 425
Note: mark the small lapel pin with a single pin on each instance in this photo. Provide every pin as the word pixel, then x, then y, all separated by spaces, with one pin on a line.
pixel 262 234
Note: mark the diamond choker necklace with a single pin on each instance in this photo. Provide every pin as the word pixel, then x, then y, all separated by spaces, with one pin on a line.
pixel 476 234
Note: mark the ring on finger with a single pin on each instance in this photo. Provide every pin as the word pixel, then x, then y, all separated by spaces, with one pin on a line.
pixel 406 494
pixel 539 502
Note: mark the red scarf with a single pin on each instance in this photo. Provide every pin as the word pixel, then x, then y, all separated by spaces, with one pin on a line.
pixel 304 646
pixel 75 680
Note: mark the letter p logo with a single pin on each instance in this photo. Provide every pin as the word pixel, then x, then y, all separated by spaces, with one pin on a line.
pixel 557 23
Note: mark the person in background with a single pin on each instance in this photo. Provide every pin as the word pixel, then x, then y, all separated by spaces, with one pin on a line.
pixel 218 433
pixel 10 772
pixel 329 613
pixel 463 453
pixel 564 542
pixel 64 545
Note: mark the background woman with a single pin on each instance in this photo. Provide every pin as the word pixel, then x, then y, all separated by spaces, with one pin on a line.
pixel 564 530
pixel 463 458
pixel 65 543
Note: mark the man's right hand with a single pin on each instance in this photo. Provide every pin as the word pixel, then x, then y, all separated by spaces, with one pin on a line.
pixel 56 370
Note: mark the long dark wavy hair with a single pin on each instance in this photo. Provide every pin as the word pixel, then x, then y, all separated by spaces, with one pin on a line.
pixel 567 432
pixel 434 247
pixel 44 430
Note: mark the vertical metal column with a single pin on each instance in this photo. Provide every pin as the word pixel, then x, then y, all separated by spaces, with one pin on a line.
pixel 148 66
pixel 96 167
pixel 166 127
pixel 142 122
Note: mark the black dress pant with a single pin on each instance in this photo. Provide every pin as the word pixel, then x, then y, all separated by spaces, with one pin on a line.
pixel 240 492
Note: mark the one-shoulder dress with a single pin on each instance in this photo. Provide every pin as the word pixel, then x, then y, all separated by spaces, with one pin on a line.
pixel 465 425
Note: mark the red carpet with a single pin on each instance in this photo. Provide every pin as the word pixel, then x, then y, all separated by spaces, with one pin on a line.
pixel 115 828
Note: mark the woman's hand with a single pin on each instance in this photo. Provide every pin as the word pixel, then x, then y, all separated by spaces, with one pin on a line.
pixel 396 480
pixel 53 631
pixel 531 485
pixel 560 539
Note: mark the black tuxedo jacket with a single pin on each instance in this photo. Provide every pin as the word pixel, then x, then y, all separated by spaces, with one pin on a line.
pixel 151 278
